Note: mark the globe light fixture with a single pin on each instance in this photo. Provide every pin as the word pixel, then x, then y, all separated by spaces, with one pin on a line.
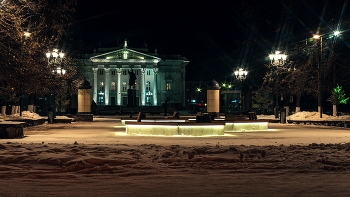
pixel 55 57
pixel 278 58
pixel 59 71
pixel 241 74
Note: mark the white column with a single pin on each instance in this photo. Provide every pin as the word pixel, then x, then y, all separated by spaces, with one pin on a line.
pixel 95 84
pixel 143 90
pixel 155 95
pixel 119 90
pixel 107 85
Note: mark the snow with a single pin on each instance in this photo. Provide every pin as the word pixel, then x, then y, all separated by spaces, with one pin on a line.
pixel 98 159
pixel 316 116
pixel 25 115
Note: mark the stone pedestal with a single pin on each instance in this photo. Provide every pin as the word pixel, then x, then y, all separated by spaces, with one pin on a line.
pixel 84 101
pixel 213 97
pixel 84 105
pixel 131 98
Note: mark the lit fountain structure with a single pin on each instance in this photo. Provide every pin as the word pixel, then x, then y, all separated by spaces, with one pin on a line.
pixel 186 126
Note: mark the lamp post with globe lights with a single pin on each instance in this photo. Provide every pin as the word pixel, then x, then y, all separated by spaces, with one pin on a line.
pixel 277 59
pixel 55 59
pixel 241 75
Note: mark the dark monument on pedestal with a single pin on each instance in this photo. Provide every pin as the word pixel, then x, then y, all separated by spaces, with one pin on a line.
pixel 131 90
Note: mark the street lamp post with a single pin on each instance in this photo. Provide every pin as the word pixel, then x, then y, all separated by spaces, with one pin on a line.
pixel 319 68
pixel 319 74
pixel 55 58
pixel 26 34
pixel 241 75
pixel 277 60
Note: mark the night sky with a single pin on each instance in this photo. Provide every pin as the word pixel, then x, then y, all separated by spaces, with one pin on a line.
pixel 217 37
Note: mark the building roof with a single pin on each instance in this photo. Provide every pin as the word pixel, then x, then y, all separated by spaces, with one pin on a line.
pixel 124 53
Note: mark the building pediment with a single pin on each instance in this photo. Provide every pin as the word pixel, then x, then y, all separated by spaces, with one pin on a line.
pixel 125 55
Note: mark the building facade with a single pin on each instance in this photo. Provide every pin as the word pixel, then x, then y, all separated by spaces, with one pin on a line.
pixel 158 78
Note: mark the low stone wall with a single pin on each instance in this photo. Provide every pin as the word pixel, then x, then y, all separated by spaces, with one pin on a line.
pixel 81 117
pixel 11 130
pixel 250 125
pixel 63 120
pixel 28 122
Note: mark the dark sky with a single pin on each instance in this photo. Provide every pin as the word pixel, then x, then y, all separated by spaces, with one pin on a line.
pixel 216 36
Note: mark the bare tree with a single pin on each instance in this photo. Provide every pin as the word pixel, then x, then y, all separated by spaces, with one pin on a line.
pixel 28 29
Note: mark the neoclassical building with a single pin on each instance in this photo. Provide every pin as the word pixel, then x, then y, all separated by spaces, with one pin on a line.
pixel 159 77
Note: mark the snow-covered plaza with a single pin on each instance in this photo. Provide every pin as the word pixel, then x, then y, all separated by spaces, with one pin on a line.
pixel 99 159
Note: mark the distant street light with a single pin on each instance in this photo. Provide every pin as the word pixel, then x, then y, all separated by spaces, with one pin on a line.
pixel 26 34
pixel 227 86
pixel 241 75
pixel 277 59
pixel 336 33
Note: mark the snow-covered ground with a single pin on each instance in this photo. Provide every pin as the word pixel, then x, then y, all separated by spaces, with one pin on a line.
pixel 25 114
pixel 99 159
pixel 315 116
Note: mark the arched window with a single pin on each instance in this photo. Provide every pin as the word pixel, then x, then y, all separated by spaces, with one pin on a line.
pixel 168 87
pixel 124 86
pixel 136 85
pixel 148 86
pixel 112 85
pixel 101 86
